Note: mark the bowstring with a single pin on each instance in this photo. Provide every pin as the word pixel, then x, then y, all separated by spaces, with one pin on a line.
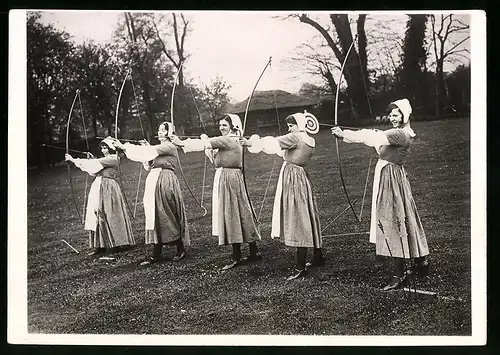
pixel 205 160
pixel 371 119
pixel 275 158
pixel 143 135
pixel 176 152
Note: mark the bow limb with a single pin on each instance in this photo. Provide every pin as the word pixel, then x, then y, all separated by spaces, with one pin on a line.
pixel 173 93
pixel 176 151
pixel 242 133
pixel 118 103
pixel 336 138
pixel 88 150
pixel 116 137
pixel 70 180
pixel 253 91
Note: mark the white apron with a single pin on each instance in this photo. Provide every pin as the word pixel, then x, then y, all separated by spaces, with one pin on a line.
pixel 275 223
pixel 93 205
pixel 376 183
pixel 215 202
pixel 149 197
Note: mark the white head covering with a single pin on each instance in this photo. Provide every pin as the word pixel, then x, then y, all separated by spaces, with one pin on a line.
pixel 405 108
pixel 235 121
pixel 301 121
pixel 170 128
pixel 109 142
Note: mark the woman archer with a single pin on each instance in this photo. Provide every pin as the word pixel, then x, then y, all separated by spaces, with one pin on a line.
pixel 106 218
pixel 165 212
pixel 233 219
pixel 395 227
pixel 295 219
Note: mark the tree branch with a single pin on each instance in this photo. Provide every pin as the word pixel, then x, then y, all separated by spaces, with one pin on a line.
pixel 176 37
pixel 163 46
pixel 434 40
pixel 450 51
pixel 305 19
pixel 184 32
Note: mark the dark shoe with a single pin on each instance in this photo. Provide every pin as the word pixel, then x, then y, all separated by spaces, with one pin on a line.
pixel 423 269
pixel 251 258
pixel 180 256
pixel 319 262
pixel 123 248
pixel 396 283
pixel 97 251
pixel 231 265
pixel 300 274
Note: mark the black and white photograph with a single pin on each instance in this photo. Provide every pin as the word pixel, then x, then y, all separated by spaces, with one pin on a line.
pixel 247 177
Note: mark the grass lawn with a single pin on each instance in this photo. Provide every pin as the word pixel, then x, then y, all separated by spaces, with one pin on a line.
pixel 74 293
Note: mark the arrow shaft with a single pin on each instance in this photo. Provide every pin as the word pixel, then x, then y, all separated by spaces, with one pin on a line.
pixel 336 125
pixel 61 148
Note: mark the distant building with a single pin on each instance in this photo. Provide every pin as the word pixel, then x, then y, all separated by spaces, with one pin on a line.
pixel 266 107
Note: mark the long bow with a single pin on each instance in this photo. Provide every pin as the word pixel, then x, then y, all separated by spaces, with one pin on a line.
pixel 70 180
pixel 205 155
pixel 143 137
pixel 116 137
pixel 336 138
pixel 176 152
pixel 276 158
pixel 243 132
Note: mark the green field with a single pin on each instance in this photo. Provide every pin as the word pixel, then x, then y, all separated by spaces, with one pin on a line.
pixel 75 294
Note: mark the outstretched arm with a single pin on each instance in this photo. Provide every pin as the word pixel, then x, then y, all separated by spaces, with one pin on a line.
pixel 90 166
pixel 141 153
pixel 370 137
pixel 193 145
pixel 268 144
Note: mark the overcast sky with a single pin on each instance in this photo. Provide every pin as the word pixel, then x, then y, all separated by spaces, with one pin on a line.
pixel 233 45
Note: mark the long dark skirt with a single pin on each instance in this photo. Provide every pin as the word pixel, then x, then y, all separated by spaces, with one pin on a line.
pixel 397 219
pixel 170 212
pixel 114 228
pixel 236 223
pixel 299 215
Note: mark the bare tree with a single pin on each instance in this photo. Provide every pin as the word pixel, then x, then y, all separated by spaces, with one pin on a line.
pixel 165 29
pixel 174 29
pixel 385 39
pixel 312 60
pixel 449 35
pixel 340 41
pixel 140 36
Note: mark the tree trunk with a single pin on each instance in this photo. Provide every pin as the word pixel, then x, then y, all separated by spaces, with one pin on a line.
pixel 440 90
pixel 362 42
pixel 331 81
pixel 353 70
